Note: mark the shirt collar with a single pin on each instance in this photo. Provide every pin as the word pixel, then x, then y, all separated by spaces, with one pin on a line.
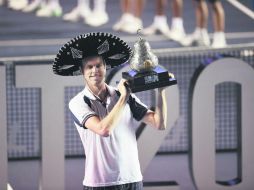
pixel 88 93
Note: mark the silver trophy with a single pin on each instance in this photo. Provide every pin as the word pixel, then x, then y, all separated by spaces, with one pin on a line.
pixel 146 73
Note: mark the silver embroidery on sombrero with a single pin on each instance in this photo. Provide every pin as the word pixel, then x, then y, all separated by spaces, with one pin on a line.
pixel 104 47
pixel 76 54
pixel 117 56
pixel 66 67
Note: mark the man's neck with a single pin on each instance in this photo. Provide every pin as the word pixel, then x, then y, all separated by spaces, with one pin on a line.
pixel 99 91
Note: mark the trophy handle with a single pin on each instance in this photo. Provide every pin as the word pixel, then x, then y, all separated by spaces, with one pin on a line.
pixel 171 75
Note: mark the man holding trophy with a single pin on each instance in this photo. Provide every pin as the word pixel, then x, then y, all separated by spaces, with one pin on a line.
pixel 103 115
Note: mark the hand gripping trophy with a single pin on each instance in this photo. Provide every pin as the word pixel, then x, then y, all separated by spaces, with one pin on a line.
pixel 146 73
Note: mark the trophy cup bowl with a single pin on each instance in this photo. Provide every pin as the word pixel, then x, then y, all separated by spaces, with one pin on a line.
pixel 146 73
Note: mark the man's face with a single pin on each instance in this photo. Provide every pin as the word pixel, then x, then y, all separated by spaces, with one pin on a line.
pixel 94 71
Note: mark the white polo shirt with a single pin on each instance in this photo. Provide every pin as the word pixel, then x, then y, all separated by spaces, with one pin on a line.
pixel 111 160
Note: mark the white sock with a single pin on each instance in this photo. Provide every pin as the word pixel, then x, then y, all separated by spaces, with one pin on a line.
pixel 100 5
pixel 53 3
pixel 198 30
pixel 219 35
pixel 177 22
pixel 127 16
pixel 37 1
pixel 219 39
pixel 160 19
pixel 203 30
pixel 83 3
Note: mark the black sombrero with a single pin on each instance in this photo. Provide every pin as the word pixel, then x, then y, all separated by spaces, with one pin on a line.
pixel 111 48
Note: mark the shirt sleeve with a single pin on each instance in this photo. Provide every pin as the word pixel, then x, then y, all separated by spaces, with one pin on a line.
pixel 138 109
pixel 80 111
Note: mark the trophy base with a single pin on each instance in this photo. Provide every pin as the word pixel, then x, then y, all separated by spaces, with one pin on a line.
pixel 158 77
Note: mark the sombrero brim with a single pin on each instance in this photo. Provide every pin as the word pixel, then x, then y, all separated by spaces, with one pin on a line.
pixel 111 48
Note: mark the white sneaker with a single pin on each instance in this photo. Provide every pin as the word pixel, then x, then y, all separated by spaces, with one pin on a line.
pixel 133 26
pixel 188 40
pixel 177 34
pixel 50 11
pixel 17 4
pixel 85 12
pixel 97 18
pixel 35 5
pixel 199 37
pixel 125 18
pixel 204 39
pixel 191 38
pixel 76 14
pixel 158 25
pixel 219 40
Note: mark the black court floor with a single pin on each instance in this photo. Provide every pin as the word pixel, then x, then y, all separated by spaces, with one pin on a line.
pixel 24 34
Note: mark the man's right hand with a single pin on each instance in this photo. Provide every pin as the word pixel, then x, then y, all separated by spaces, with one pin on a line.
pixel 123 88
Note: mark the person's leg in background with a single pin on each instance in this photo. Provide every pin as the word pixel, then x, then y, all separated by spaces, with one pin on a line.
pixel 201 12
pixel 99 15
pixel 200 35
pixel 81 11
pixel 52 9
pixel 177 29
pixel 160 23
pixel 219 39
pixel 130 20
pixel 126 17
pixel 138 10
